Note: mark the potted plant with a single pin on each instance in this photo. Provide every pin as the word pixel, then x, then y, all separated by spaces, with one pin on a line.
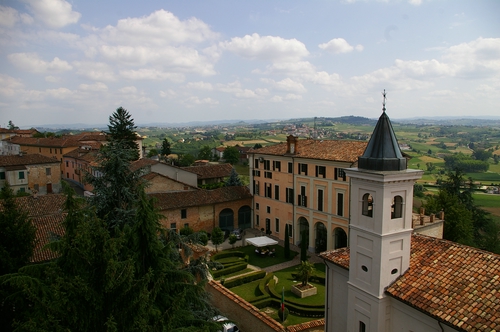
pixel 304 288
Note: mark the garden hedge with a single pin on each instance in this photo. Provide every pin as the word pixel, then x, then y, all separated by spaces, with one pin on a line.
pixel 276 295
pixel 236 281
pixel 224 254
pixel 229 270
pixel 295 309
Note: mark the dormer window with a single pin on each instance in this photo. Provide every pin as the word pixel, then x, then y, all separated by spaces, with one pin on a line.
pixel 368 205
pixel 397 207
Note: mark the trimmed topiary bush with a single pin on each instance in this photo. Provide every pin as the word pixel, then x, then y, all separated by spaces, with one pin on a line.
pixel 229 270
pixel 283 314
pixel 245 279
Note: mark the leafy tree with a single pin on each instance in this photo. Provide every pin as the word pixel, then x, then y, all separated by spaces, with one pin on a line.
pixel 304 243
pixel 257 146
pixel 234 179
pixel 481 154
pixel 287 243
pixel 165 148
pixel 152 153
pixel 12 126
pixel 430 167
pixel 17 233
pixel 122 131
pixel 205 153
pixel 117 188
pixel 186 160
pixel 232 239
pixel 217 237
pixel 306 270
pixel 231 155
pixel 125 278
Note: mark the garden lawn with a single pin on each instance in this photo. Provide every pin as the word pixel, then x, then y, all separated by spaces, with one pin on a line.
pixel 286 280
pixel 248 291
pixel 257 260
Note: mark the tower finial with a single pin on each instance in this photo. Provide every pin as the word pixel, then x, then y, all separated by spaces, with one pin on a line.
pixel 383 103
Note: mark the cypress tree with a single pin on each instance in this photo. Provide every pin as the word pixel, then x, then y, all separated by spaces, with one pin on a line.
pixel 287 243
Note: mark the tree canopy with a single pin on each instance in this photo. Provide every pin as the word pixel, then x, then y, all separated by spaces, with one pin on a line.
pixel 118 269
pixel 231 155
pixel 122 129
pixel 234 179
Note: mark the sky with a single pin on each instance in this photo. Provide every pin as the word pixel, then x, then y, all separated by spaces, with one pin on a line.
pixel 67 62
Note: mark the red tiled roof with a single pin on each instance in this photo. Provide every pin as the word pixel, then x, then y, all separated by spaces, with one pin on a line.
pixel 454 283
pixel 46 215
pixel 46 228
pixel 335 150
pixel 316 325
pixel 27 159
pixel 67 141
pixel 180 199
pixel 82 154
pixel 142 163
pixel 210 171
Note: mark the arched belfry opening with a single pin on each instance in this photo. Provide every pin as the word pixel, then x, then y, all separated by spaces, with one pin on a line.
pixel 367 205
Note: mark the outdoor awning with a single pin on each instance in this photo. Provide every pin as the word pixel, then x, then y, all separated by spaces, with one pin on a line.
pixel 261 241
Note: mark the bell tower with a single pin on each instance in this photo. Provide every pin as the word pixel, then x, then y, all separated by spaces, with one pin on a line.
pixel 381 227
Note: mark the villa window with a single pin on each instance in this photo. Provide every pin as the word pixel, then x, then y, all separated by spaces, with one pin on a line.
pixel 183 214
pixel 277 225
pixel 320 171
pixel 276 192
pixel 320 199
pixel 368 205
pixel 289 195
pixel 290 168
pixel 277 166
pixel 340 174
pixel 340 204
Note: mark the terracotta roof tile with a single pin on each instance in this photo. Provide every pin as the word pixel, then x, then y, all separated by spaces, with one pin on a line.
pixel 67 141
pixel 335 150
pixel 180 199
pixel 46 215
pixel 142 163
pixel 210 171
pixel 27 159
pixel 46 228
pixel 454 283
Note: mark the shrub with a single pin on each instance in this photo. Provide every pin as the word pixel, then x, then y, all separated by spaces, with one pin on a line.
pixel 245 279
pixel 283 314
pixel 224 254
pixel 203 237
pixel 229 270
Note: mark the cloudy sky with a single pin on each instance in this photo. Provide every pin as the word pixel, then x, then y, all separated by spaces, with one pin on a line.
pixel 177 61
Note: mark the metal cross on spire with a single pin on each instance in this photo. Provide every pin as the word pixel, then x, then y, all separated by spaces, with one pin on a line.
pixel 385 98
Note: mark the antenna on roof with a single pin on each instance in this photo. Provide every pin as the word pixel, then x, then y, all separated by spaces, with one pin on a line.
pixel 384 94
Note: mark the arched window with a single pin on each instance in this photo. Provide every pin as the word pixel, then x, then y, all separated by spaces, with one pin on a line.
pixel 226 219
pixel 397 207
pixel 368 205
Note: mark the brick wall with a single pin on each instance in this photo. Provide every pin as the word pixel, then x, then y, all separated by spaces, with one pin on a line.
pixel 246 316
pixel 204 217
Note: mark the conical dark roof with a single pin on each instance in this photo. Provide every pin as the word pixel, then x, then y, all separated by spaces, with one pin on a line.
pixel 383 152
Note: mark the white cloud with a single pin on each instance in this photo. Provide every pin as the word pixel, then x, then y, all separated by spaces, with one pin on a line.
pixel 52 79
pixel 415 2
pixel 298 68
pixel 269 48
pixel 60 93
pixel 128 90
pixel 286 84
pixel 31 63
pixel 158 29
pixel 53 13
pixel 96 87
pixel 197 101
pixel 10 86
pixel 96 71
pixel 168 94
pixel 199 86
pixel 151 74
pixel 339 45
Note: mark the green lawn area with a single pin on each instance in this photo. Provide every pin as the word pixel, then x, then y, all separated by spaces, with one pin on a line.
pixel 487 200
pixel 256 260
pixel 248 290
pixel 286 280
pixel 486 178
